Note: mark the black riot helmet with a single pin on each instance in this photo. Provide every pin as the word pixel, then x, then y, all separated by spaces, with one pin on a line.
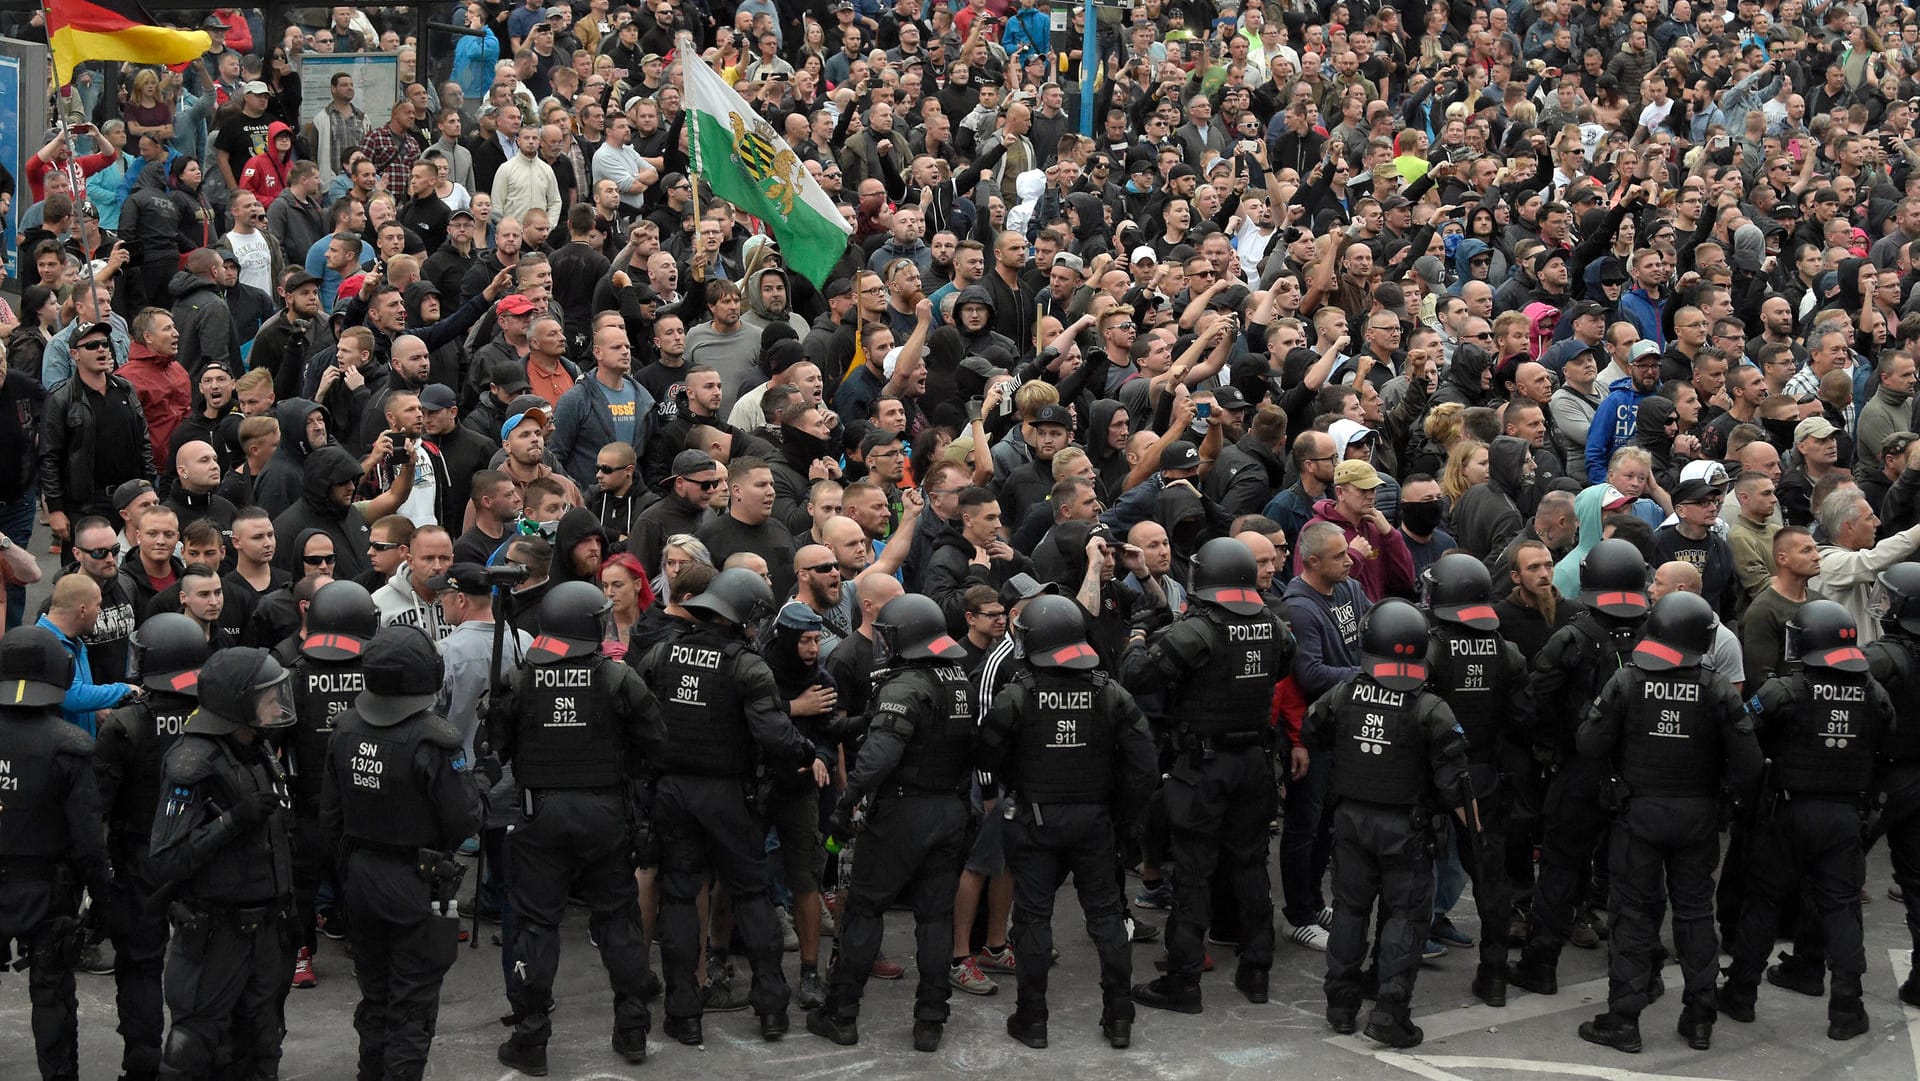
pixel 911 627
pixel 1393 645
pixel 168 650
pixel 35 669
pixel 1901 584
pixel 1613 580
pixel 1457 589
pixel 1822 634
pixel 242 687
pixel 1224 573
pixel 341 620
pixel 1679 633
pixel 1053 634
pixel 737 596
pixel 573 623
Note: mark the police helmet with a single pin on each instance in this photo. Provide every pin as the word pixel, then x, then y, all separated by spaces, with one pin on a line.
pixel 573 623
pixel 1458 589
pixel 1822 634
pixel 341 620
pixel 35 669
pixel 1393 645
pixel 1613 580
pixel 1224 573
pixel 911 627
pixel 1053 634
pixel 168 650
pixel 1901 583
pixel 1679 633
pixel 737 596
pixel 404 672
pixel 242 687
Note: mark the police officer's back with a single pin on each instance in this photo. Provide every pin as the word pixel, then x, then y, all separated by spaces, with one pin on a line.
pixel 1398 759
pixel 50 842
pixel 1894 662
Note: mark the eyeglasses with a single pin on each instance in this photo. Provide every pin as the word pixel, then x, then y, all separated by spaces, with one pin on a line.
pixel 823 568
pixel 991 615
pixel 378 546
pixel 614 469
pixel 100 553
pixel 317 561
pixel 1485 335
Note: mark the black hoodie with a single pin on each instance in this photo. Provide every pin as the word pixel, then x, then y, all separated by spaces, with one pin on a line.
pixel 1462 384
pixel 575 526
pixel 279 484
pixel 1488 514
pixel 324 468
pixel 1650 431
pixel 1110 466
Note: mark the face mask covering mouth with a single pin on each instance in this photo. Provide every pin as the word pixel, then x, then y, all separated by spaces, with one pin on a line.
pixel 1421 518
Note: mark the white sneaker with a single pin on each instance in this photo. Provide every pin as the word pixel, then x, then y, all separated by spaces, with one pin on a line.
pixel 1312 936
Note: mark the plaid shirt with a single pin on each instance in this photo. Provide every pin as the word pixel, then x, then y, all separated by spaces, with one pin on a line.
pixel 394 154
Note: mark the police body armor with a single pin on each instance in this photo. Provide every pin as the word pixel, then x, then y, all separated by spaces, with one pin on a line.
pixel 1232 693
pixel 1669 745
pixel 381 805
pixel 1604 650
pixel 322 691
pixel 235 874
pixel 568 737
pixel 1896 667
pixel 153 726
pixel 700 701
pixel 1380 747
pixel 1465 668
pixel 1063 748
pixel 33 812
pixel 937 758
pixel 1827 748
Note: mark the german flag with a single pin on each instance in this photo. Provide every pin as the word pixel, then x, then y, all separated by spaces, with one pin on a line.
pixel 82 30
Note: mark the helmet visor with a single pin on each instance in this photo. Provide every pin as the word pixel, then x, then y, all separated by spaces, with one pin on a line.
pixel 273 704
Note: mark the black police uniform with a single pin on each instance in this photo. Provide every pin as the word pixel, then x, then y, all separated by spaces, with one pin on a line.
pixel 1217 670
pixel 1070 747
pixel 723 712
pixel 1398 758
pixel 1675 735
pixel 1822 728
pixel 399 794
pixel 50 841
pixel 222 850
pixel 1895 665
pixel 132 743
pixel 576 728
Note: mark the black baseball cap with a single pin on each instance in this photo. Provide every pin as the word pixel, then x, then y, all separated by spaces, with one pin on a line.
pixel 1053 414
pixel 468 578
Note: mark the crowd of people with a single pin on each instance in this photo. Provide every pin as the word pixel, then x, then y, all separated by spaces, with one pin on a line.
pixel 1466 441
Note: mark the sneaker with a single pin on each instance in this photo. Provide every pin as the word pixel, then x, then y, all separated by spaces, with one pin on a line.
pixel 884 969
pixel 967 977
pixel 1895 893
pixel 1000 960
pixel 789 938
pixel 96 958
pixel 829 915
pixel 470 847
pixel 1217 940
pixel 1584 935
pixel 303 976
pixel 1312 936
pixel 1445 931
pixel 331 925
pixel 1141 931
pixel 1433 951
pixel 809 992
pixel 1325 918
pixel 1155 895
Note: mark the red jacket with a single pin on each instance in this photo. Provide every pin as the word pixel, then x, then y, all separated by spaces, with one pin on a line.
pixel 265 174
pixel 165 395
pixel 1386 572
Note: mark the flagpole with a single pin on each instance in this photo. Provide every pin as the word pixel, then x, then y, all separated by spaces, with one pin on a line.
pixel 77 183
pixel 682 45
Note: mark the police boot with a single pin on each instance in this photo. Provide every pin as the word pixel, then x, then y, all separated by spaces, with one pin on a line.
pixel 1031 1031
pixel 1400 1033
pixel 684 1029
pixel 1165 993
pixel 1119 1033
pixel 926 1035
pixel 1251 982
pixel 1736 1001
pixel 528 1058
pixel 1910 989
pixel 1343 1020
pixel 631 1046
pixel 1846 1018
pixel 1490 984
pixel 773 1025
pixel 843 1031
pixel 1613 1030
pixel 1536 971
pixel 1696 1027
pixel 1798 974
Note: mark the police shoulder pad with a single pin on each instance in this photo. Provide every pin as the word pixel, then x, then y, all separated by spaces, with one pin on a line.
pixel 189 761
pixel 69 739
pixel 439 732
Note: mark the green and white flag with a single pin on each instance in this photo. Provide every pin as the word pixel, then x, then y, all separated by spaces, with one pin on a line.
pixel 748 164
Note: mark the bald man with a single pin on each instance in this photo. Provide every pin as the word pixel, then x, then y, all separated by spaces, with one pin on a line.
pixel 71 616
pixel 1679 576
pixel 817 584
pixel 1148 558
pixel 851 666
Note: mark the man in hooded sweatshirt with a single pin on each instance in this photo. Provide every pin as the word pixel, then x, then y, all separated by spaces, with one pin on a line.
pixel 207 330
pixel 304 428
pixel 1382 564
pixel 329 476
pixel 1487 518
pixel 1618 416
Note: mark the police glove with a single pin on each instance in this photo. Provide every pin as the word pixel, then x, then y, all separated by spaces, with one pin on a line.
pixel 840 825
pixel 490 768
pixel 1149 618
pixel 254 809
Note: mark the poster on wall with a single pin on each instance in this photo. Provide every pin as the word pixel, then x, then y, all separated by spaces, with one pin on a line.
pixel 11 153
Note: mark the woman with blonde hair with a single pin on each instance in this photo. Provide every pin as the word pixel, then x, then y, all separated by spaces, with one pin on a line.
pixel 1466 467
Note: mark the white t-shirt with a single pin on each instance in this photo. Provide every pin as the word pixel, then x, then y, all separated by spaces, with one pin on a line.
pixel 420 504
pixel 256 259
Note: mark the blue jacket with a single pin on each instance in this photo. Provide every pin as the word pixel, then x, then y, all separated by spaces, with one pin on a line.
pixel 1027 30
pixel 1326 657
pixel 583 423
pixel 1645 314
pixel 473 60
pixel 1612 426
pixel 85 698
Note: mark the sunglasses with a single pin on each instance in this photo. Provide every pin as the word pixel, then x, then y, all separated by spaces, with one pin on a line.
pixel 316 561
pixel 379 546
pixel 609 468
pixel 100 553
pixel 704 485
pixel 824 568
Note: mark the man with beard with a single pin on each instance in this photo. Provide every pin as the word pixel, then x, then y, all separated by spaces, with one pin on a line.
pixel 822 590
pixel 1615 422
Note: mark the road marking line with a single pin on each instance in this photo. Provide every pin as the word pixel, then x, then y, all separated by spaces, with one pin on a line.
pixel 1570 1069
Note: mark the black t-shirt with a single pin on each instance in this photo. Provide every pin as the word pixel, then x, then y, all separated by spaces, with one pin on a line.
pixel 660 380
pixel 116 443
pixel 769 540
pixel 475 546
pixel 242 137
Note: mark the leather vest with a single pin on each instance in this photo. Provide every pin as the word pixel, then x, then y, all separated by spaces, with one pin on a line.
pixel 938 756
pixel 1466 669
pixel 1670 744
pixel 33 790
pixel 1379 747
pixel 568 737
pixel 700 701
pixel 381 800
pixel 322 691
pixel 1827 748
pixel 1232 692
pixel 1063 745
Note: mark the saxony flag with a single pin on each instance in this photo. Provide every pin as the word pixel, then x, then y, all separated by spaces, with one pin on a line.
pixel 748 164
pixel 82 30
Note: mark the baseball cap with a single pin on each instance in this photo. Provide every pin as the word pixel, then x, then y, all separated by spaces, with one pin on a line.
pixel 1024 587
pixel 437 396
pixel 1588 307
pixel 1180 454
pixel 1548 255
pixel 1180 170
pixel 89 330
pixel 128 491
pixel 1395 202
pixel 1693 491
pixel 1071 262
pixel 296 278
pixel 1358 473
pixel 510 376
pixel 1614 499
pixel 1144 253
pixel 214 22
pixel 463 212
pixel 468 578
pixel 1707 472
pixel 688 462
pixel 254 86
pixel 1813 428
pixel 538 416
pixel 652 58
pixel 838 287
pixel 514 304
pixel 1229 397
pixel 1053 414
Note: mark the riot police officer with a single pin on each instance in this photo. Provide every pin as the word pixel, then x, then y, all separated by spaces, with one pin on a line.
pixel 1398 758
pixel 722 710
pixel 1894 662
pixel 168 650
pixel 1216 666
pixel 50 843
pixel 222 852
pixel 913 765
pixel 576 727
pixel 1675 734
pixel 1068 745
pixel 399 794
pixel 1483 678
pixel 326 678
pixel 1568 673
pixel 1821 723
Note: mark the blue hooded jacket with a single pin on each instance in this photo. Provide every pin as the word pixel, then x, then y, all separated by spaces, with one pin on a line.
pixel 1462 255
pixel 1645 314
pixel 1612 427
